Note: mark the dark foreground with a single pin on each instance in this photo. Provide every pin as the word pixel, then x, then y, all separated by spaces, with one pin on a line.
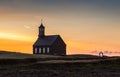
pixel 14 64
pixel 41 68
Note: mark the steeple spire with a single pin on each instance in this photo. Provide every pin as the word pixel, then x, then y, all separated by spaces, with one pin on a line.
pixel 41 21
pixel 41 30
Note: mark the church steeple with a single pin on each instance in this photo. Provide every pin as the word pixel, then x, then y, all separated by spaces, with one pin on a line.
pixel 41 30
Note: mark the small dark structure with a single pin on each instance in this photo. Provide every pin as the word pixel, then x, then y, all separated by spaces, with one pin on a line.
pixel 101 54
pixel 51 44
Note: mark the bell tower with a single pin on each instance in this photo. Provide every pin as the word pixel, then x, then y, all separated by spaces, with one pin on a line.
pixel 41 31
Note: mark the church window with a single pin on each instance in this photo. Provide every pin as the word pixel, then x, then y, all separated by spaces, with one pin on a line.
pixel 48 50
pixel 43 50
pixel 35 50
pixel 39 50
pixel 41 29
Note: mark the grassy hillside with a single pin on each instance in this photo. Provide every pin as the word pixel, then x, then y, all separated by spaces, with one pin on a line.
pixel 14 64
pixel 17 55
pixel 7 54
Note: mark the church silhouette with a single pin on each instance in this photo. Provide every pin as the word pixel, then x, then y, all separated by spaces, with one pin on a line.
pixel 49 44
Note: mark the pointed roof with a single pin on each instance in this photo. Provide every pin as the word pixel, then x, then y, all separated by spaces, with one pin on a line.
pixel 41 26
pixel 47 40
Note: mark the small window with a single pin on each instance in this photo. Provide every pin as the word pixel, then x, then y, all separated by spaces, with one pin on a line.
pixel 35 50
pixel 41 29
pixel 43 50
pixel 39 50
pixel 48 50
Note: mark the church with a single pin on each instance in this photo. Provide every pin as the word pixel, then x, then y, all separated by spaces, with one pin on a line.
pixel 49 44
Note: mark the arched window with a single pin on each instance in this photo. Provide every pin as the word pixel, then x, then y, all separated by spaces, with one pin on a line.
pixel 101 54
pixel 41 29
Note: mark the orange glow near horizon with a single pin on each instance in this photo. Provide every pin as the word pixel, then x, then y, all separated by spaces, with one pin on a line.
pixel 14 37
pixel 21 43
pixel 15 46
pixel 25 45
pixel 16 43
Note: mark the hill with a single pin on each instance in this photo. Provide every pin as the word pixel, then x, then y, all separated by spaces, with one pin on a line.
pixel 14 64
pixel 18 55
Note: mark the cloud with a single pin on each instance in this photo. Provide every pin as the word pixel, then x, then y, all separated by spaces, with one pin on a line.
pixel 27 27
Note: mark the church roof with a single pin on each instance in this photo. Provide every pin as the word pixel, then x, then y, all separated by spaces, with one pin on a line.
pixel 46 40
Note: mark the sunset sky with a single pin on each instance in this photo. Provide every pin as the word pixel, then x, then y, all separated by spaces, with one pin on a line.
pixel 86 26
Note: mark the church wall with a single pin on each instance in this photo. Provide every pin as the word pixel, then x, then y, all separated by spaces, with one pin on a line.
pixel 58 47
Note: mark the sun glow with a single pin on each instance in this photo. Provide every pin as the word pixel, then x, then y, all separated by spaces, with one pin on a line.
pixel 15 37
pixel 15 42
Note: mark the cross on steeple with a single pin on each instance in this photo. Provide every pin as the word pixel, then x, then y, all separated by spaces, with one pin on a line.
pixel 41 21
